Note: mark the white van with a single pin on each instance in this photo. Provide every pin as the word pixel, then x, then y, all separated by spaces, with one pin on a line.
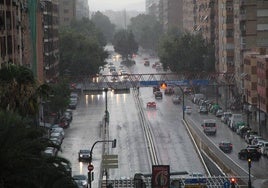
pixel 209 126
pixel 264 148
pixel 236 118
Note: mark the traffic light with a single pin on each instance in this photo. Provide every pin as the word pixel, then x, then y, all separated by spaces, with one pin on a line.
pixel 232 183
pixel 249 162
pixel 163 85
pixel 114 143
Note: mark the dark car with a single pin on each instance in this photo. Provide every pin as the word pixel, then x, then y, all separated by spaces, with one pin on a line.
pixel 81 180
pixel 84 155
pixel 226 146
pixel 249 153
pixel 158 95
pixel 155 89
pixel 169 91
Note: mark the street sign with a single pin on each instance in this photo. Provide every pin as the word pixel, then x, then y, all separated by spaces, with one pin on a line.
pixel 110 161
pixel 160 176
pixel 90 167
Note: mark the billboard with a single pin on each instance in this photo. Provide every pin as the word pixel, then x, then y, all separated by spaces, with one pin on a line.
pixel 160 176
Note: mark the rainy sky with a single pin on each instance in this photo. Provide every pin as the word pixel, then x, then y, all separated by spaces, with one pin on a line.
pixel 116 5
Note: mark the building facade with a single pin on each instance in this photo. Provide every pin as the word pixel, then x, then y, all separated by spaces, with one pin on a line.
pixel 67 11
pixel 82 9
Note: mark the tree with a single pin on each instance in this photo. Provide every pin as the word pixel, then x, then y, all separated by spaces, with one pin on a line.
pixel 104 24
pixel 80 55
pixel 147 30
pixel 124 43
pixel 185 52
pixel 21 159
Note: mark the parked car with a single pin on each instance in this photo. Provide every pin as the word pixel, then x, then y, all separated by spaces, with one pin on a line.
pixel 219 112
pixel 57 135
pixel 158 95
pixel 226 146
pixel 249 153
pixel 84 155
pixel 151 105
pixel 203 110
pixel 225 116
pixel 264 148
pixel 235 119
pixel 81 180
pixel 50 152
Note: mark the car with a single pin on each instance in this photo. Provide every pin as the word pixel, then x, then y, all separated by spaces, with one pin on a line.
pixel 203 110
pixel 55 141
pixel 169 91
pixel 209 126
pixel 176 99
pixel 155 89
pixel 57 135
pixel 146 63
pixel 249 153
pixel 81 180
pixel 219 113
pixel 151 105
pixel 255 147
pixel 58 130
pixel 264 148
pixel 188 109
pixel 50 152
pixel 84 155
pixel 226 146
pixel 225 116
pixel 158 95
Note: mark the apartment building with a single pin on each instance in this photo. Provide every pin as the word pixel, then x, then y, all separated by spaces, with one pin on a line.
pixel 82 9
pixel 152 8
pixel 189 15
pixel 225 37
pixel 255 82
pixel 205 22
pixel 67 11
pixel 171 14
pixel 13 30
pixel 51 39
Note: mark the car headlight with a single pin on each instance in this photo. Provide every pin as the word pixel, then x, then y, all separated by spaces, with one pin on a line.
pixel 84 182
pixel 81 155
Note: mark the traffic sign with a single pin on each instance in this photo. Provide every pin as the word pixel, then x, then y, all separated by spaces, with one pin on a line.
pixel 90 167
pixel 110 161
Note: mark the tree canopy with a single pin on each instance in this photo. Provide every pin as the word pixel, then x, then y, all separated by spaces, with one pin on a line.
pixel 147 31
pixel 104 24
pixel 81 49
pixel 125 44
pixel 186 52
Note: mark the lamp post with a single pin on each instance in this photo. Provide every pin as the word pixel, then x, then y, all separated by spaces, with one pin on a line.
pixel 91 154
pixel 249 176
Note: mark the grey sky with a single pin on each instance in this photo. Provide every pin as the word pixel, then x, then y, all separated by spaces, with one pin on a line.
pixel 116 5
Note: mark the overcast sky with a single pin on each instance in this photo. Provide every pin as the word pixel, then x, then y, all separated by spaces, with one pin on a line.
pixel 116 5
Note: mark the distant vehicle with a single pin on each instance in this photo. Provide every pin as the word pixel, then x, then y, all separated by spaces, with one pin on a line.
pixel 187 90
pixel 158 95
pixel 146 63
pixel 203 110
pixel 226 146
pixel 151 105
pixel 249 153
pixel 188 109
pixel 155 88
pixel 81 181
pixel 209 126
pixel 169 91
pixel 176 99
pixel 84 155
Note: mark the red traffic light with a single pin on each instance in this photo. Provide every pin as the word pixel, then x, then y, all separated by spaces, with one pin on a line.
pixel 232 180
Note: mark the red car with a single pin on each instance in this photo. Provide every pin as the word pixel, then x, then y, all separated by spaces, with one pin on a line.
pixel 151 105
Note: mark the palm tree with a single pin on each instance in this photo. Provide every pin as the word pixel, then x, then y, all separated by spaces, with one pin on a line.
pixel 21 159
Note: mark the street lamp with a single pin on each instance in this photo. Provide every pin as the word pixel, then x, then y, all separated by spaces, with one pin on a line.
pixel 249 178
pixel 91 155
